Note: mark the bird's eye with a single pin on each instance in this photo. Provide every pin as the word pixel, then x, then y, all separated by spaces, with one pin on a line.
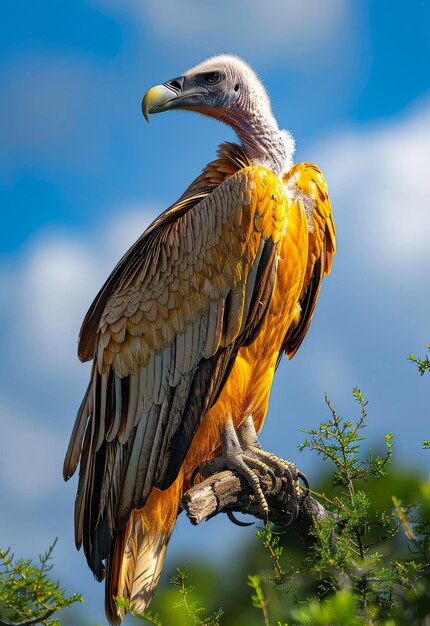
pixel 212 77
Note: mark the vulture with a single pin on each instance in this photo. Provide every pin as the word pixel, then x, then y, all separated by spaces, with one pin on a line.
pixel 188 330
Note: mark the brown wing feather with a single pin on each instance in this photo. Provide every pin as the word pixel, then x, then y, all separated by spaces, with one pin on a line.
pixel 307 303
pixel 230 159
pixel 162 315
pixel 211 374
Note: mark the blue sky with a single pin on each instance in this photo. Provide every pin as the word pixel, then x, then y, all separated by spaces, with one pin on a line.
pixel 81 174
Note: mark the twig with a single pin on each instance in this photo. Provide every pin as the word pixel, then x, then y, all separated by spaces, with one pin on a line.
pixel 30 622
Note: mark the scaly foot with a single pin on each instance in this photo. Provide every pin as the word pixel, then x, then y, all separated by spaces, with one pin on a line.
pixel 243 461
pixel 248 439
pixel 286 470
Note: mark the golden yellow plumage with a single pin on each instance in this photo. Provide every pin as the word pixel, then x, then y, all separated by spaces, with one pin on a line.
pixel 185 337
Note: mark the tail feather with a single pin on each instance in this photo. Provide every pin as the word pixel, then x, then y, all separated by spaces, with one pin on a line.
pixel 137 556
pixel 148 569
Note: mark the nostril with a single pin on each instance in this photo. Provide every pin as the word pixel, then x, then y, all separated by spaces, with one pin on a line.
pixel 176 84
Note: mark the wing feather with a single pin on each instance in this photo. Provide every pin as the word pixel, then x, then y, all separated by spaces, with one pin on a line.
pixel 101 422
pixel 306 185
pixel 165 330
pixel 115 423
pixel 216 316
pixel 133 399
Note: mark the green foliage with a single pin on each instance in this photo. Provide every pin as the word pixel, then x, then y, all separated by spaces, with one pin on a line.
pixel 194 613
pixel 27 595
pixel 355 572
pixel 339 440
pixel 339 610
pixel 272 544
pixel 192 610
pixel 423 365
pixel 258 599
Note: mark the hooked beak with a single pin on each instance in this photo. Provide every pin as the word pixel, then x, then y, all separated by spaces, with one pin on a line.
pixel 162 97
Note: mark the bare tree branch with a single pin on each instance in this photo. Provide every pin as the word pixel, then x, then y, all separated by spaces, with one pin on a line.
pixel 228 491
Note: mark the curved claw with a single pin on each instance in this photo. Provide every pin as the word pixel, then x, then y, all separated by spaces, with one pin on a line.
pixel 305 480
pixel 272 476
pixel 236 521
pixel 294 516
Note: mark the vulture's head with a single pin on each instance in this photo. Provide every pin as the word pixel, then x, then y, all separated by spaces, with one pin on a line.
pixel 226 88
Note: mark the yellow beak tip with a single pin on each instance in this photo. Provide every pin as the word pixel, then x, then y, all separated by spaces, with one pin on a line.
pixel 156 98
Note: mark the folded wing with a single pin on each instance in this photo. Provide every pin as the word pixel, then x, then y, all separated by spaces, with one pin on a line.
pixel 306 185
pixel 164 332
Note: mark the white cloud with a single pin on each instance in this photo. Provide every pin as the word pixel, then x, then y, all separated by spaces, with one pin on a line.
pixel 45 298
pixel 57 281
pixel 126 229
pixel 380 189
pixel 373 308
pixel 297 28
pixel 58 278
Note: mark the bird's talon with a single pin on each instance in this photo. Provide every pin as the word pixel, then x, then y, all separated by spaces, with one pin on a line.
pixel 272 476
pixel 305 480
pixel 236 521
pixel 294 515
pixel 266 518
